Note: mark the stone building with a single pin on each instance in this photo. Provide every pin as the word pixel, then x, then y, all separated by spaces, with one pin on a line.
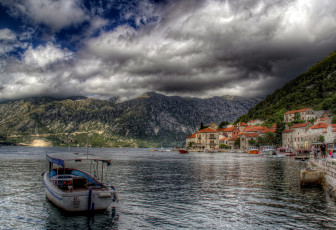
pixel 207 139
pixel 301 114
pixel 191 140
pixel 296 136
pixel 245 137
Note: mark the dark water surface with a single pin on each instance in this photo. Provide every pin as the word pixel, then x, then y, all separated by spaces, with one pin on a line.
pixel 168 190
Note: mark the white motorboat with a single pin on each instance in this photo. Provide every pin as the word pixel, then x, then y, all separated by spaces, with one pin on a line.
pixel 267 150
pixel 74 190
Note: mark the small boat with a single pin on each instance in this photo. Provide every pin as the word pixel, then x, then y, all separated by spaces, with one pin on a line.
pixel 267 150
pixel 285 151
pixel 253 150
pixel 74 190
pixel 183 151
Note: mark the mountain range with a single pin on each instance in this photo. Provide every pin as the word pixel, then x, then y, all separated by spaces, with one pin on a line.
pixel 150 120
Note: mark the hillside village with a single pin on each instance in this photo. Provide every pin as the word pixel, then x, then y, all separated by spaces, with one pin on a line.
pixel 300 130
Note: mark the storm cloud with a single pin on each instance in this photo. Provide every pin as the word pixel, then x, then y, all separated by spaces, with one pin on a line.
pixel 188 48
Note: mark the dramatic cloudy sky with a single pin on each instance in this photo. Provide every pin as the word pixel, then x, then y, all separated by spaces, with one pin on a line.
pixel 124 48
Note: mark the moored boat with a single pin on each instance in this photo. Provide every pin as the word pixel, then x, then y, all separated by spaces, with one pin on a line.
pixel 74 190
pixel 253 150
pixel 267 150
pixel 285 151
pixel 183 151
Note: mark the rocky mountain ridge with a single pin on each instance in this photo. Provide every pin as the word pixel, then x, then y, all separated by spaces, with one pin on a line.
pixel 148 120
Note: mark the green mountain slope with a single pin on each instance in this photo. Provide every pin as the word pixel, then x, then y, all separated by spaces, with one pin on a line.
pixel 315 89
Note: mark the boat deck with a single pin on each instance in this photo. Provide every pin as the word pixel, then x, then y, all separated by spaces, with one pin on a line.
pixel 74 180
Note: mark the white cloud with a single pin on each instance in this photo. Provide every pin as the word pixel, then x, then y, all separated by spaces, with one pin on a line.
pixel 56 14
pixel 42 56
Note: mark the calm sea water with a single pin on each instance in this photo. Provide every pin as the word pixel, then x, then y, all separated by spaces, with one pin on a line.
pixel 168 190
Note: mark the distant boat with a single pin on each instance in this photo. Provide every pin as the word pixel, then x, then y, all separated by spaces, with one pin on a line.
pixel 267 150
pixel 183 151
pixel 74 190
pixel 253 150
pixel 285 151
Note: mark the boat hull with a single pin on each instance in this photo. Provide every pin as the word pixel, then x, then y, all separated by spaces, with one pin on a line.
pixel 183 151
pixel 78 201
pixel 253 152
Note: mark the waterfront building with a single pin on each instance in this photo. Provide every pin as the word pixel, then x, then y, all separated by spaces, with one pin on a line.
pixel 287 138
pixel 231 142
pixel 191 140
pixel 299 140
pixel 207 139
pixel 245 138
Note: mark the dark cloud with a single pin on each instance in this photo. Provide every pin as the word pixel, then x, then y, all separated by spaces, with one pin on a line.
pixel 191 48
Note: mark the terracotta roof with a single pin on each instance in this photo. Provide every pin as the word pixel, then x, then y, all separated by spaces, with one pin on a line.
pixel 324 131
pixel 320 125
pixel 268 130
pixel 297 111
pixel 334 130
pixel 251 135
pixel 230 129
pixel 242 124
pixel 233 138
pixel 207 130
pixel 254 128
pixel 322 119
pixel 333 125
pixel 223 139
pixel 274 126
pixel 300 125
pixel 239 134
pixel 192 136
pixel 288 131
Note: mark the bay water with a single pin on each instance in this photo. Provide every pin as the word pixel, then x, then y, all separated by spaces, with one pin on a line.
pixel 169 190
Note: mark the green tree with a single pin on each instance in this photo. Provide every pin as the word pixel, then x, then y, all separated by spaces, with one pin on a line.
pixel 224 146
pixel 321 138
pixel 237 143
pixel 253 142
pixel 223 124
pixel 202 126
pixel 280 126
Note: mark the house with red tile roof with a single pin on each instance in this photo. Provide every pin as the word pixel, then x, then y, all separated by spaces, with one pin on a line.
pixel 231 142
pixel 245 138
pixel 241 126
pixel 254 129
pixel 207 139
pixel 228 132
pixel 324 119
pixel 287 138
pixel 306 114
pixel 190 140
pixel 299 137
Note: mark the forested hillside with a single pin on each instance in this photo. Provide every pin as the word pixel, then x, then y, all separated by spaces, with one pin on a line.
pixel 315 89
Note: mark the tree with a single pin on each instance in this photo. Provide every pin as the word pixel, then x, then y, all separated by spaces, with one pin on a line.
pixel 223 124
pixel 321 138
pixel 252 142
pixel 224 146
pixel 237 142
pixel 202 126
pixel 280 126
